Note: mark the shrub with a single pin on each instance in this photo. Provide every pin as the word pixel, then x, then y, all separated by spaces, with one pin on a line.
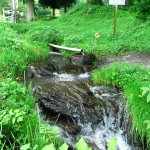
pixel 48 35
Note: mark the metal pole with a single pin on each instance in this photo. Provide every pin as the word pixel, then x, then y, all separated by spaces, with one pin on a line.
pixel 115 18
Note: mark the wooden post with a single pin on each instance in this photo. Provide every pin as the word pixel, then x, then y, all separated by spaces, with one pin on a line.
pixel 15 18
pixel 115 19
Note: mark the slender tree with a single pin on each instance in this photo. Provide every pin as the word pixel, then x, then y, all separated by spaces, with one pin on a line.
pixel 30 10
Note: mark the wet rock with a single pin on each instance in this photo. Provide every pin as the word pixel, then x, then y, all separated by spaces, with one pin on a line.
pixel 84 59
pixel 72 69
pixel 41 70
pixel 88 59
pixel 72 128
pixel 71 101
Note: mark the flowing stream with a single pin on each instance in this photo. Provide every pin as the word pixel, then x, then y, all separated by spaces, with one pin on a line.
pixel 69 99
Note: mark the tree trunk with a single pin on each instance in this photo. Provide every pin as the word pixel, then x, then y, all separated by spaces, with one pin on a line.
pixel 15 16
pixel 53 12
pixel 30 10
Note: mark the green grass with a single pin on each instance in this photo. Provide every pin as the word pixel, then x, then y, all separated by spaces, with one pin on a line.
pixel 131 78
pixel 24 43
pixel 77 29
pixel 20 125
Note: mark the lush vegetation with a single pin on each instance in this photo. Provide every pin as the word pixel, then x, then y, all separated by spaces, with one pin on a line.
pixel 132 34
pixel 18 120
pixel 25 43
pixel 135 82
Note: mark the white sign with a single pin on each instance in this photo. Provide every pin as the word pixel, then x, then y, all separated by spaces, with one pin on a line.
pixel 116 2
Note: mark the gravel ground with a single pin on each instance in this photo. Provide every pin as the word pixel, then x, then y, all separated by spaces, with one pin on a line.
pixel 132 58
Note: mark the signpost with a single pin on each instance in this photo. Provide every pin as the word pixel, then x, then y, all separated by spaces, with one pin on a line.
pixel 116 3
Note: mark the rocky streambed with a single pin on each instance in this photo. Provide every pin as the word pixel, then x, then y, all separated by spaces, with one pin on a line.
pixel 68 98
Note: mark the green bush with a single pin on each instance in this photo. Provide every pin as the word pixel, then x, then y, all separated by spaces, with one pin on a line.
pixel 21 51
pixel 19 122
pixel 48 35
pixel 144 9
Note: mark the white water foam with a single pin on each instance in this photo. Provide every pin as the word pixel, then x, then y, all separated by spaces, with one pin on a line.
pixel 100 136
pixel 71 77
pixel 103 132
pixel 85 75
pixel 64 77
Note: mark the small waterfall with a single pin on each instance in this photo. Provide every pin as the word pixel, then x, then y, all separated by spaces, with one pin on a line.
pixel 98 135
pixel 96 113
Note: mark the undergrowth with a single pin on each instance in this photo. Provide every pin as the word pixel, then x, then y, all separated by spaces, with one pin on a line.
pixel 134 80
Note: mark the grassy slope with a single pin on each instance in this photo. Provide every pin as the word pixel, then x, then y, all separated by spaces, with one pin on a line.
pixel 78 29
pixel 75 29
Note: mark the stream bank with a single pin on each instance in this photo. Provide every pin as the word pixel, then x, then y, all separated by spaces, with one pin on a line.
pixel 69 99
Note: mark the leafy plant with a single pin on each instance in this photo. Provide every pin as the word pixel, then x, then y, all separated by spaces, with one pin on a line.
pixel 82 145
pixel 112 144
pixel 146 91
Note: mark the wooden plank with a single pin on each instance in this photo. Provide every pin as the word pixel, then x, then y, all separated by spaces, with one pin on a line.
pixel 66 48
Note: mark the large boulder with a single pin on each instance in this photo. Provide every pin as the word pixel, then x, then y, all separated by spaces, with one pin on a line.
pixel 71 101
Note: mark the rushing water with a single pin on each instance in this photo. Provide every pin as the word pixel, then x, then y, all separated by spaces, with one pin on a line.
pixel 100 134
pixel 96 112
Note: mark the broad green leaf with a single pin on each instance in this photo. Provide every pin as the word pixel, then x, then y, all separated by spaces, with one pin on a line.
pixel 11 112
pixel 16 110
pixel 148 98
pixel 64 147
pixel 18 114
pixel 112 144
pixel 25 147
pixel 49 147
pixel 19 119
pixel 13 120
pixel 82 145
pixel 143 93
pixel 148 126
pixel 35 147
pixel 145 88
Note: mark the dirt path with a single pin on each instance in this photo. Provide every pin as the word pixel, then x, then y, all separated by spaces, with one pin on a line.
pixel 132 58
